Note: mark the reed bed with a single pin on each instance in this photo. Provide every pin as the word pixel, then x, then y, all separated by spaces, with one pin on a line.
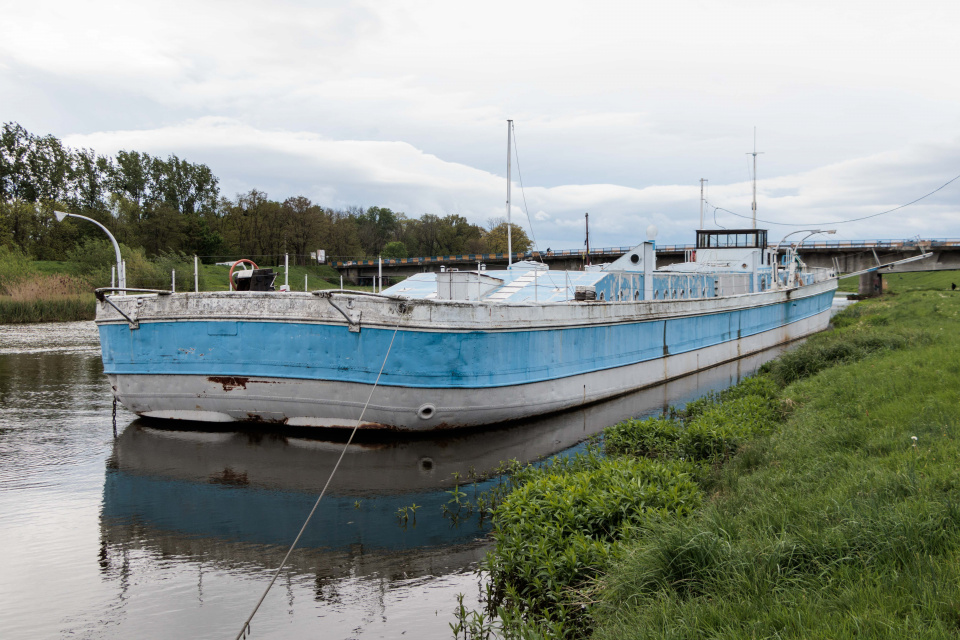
pixel 46 298
pixel 65 309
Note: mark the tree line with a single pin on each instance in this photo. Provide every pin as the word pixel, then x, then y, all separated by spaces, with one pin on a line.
pixel 171 206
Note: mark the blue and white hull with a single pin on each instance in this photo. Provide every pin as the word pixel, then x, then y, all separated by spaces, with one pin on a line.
pixel 305 359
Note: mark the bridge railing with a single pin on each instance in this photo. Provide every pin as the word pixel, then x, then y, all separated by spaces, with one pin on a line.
pixel 616 252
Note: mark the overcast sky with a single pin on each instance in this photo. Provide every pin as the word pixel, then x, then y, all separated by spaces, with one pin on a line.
pixel 620 107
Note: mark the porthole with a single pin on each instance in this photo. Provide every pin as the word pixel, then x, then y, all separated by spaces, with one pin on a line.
pixel 634 258
pixel 426 411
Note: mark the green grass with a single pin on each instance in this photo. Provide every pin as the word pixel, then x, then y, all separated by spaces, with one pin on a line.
pixel 565 522
pixel 839 524
pixel 54 267
pixel 821 516
pixel 903 282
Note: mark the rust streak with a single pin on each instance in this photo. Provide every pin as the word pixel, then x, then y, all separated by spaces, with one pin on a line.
pixel 256 417
pixel 230 382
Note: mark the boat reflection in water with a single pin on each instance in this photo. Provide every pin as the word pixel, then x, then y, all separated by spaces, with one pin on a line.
pixel 237 499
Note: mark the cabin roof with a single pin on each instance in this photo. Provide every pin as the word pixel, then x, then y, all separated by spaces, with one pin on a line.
pixel 518 286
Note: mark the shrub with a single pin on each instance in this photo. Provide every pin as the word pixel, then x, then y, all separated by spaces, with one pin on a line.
pixel 96 256
pixel 14 267
pixel 710 429
pixel 559 530
pixel 650 438
pixel 761 386
pixel 717 433
pixel 159 277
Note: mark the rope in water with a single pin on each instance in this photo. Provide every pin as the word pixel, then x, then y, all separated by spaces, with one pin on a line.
pixel 245 629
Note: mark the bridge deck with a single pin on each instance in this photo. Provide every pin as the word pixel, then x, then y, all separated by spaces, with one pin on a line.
pixel 600 254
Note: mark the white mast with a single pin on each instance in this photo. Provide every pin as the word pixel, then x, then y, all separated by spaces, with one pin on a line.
pixel 754 154
pixel 509 234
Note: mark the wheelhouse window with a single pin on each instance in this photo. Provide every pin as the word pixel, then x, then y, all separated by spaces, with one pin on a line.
pixel 732 239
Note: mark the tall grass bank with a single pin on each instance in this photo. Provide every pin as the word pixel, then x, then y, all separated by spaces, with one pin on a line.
pixel 818 499
pixel 30 296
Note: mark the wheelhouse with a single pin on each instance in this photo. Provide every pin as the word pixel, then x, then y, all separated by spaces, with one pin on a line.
pixel 732 239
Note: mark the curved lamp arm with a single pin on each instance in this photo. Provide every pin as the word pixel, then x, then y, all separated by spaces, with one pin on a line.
pixel 121 276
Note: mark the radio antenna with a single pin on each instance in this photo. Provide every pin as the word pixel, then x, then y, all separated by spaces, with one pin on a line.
pixel 755 153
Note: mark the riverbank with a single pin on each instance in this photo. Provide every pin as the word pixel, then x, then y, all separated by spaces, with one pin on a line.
pixel 70 308
pixel 819 499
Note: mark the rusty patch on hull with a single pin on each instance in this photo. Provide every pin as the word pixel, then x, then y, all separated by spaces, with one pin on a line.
pixel 256 417
pixel 230 382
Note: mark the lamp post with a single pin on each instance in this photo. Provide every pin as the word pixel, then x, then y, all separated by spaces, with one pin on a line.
pixel 121 272
pixel 776 252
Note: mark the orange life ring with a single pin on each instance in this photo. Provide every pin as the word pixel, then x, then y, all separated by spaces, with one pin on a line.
pixel 240 261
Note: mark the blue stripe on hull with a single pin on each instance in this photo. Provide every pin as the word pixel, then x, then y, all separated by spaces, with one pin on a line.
pixel 472 359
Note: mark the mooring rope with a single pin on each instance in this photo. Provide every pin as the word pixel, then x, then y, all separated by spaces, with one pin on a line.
pixel 245 629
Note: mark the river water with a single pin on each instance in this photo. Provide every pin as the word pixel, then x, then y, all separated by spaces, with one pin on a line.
pixel 175 533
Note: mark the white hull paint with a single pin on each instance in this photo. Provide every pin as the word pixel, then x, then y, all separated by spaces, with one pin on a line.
pixel 321 403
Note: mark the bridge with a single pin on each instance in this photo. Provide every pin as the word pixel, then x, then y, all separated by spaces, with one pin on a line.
pixel 846 256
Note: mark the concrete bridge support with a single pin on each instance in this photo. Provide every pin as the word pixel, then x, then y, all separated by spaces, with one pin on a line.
pixel 871 284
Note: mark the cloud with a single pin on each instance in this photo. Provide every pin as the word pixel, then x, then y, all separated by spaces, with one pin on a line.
pixel 341 173
pixel 620 109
